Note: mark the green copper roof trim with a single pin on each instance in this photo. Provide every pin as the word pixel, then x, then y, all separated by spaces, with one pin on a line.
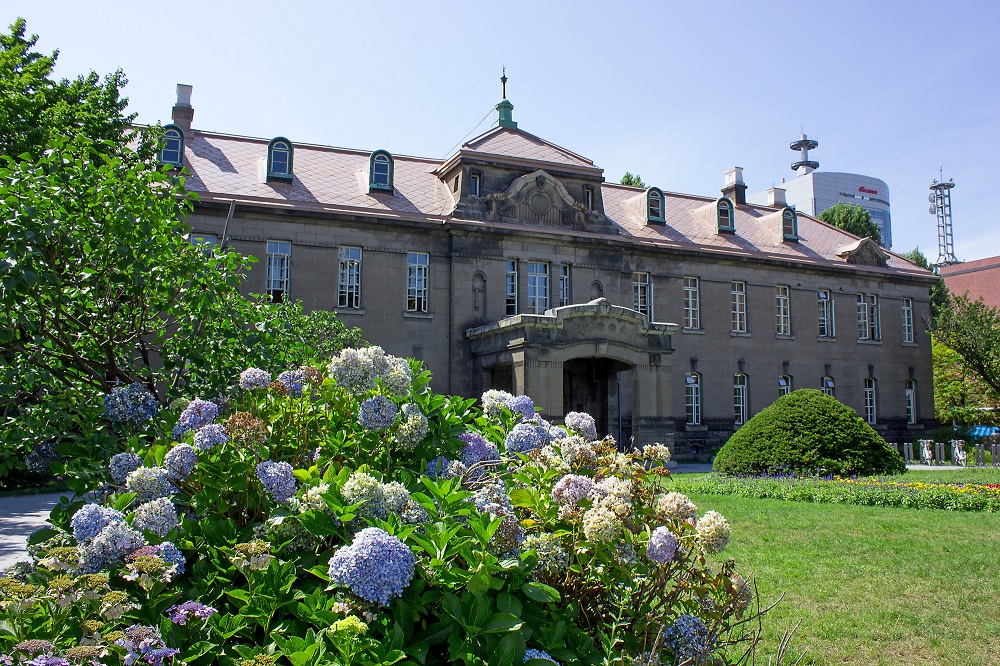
pixel 505 117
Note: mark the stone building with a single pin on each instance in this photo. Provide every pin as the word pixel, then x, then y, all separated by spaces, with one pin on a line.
pixel 513 264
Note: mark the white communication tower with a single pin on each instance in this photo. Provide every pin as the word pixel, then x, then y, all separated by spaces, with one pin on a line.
pixel 940 200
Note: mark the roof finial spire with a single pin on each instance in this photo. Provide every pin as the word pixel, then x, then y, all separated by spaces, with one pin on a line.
pixel 503 81
pixel 505 110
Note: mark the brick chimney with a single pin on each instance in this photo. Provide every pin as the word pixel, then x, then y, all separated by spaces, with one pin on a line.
pixel 735 189
pixel 183 112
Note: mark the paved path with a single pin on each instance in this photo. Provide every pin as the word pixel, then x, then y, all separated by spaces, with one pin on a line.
pixel 19 517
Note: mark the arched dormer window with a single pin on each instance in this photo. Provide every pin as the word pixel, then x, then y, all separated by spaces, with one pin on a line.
pixel 279 159
pixel 724 215
pixel 654 204
pixel 173 146
pixel 789 225
pixel 380 171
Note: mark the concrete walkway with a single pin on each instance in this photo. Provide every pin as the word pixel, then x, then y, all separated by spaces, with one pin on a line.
pixel 19 517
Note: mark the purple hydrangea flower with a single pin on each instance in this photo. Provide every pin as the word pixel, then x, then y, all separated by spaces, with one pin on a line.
pixel 180 613
pixel 146 644
pixel 477 449
pixel 292 379
pixel 91 520
pixel 572 488
pixel 47 660
pixel 688 637
pixel 208 437
pixel 131 404
pixel 122 464
pixel 525 437
pixel 254 378
pixel 158 516
pixel 376 566
pixel 377 414
pixel 662 545
pixel 278 479
pixel 180 461
pixel 442 468
pixel 522 404
pixel 582 423
pixel 109 547
pixel 197 414
pixel 171 554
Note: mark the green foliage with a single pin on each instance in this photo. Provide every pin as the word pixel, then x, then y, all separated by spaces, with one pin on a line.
pixel 960 396
pixel 938 292
pixel 633 180
pixel 807 431
pixel 853 219
pixel 972 329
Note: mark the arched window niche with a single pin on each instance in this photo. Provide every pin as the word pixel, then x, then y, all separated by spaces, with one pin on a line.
pixel 789 225
pixel 279 159
pixel 173 146
pixel 725 216
pixel 654 205
pixel 380 171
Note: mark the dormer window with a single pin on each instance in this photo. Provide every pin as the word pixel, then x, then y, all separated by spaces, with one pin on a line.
pixel 380 171
pixel 279 159
pixel 654 204
pixel 173 146
pixel 724 216
pixel 789 225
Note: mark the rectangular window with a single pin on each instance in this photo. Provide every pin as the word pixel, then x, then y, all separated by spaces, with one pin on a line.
pixel 589 196
pixel 417 269
pixel 538 287
pixel 692 398
pixel 870 415
pixel 827 386
pixel 510 288
pixel 563 284
pixel 642 294
pixel 738 299
pixel 740 399
pixel 782 310
pixel 826 314
pixel 204 239
pixel 862 317
pixel 869 317
pixel 908 320
pixel 784 385
pixel 474 185
pixel 911 401
pixel 279 254
pixel 349 278
pixel 692 304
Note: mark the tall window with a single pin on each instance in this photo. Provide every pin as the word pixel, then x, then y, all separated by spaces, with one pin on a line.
pixel 784 385
pixel 692 398
pixel 279 255
pixel 654 205
pixel 279 159
pixel 588 194
pixel 870 415
pixel 789 224
pixel 910 391
pixel 738 300
pixel 349 278
pixel 825 318
pixel 907 320
pixel 510 287
pixel 642 300
pixel 474 185
pixel 724 215
pixel 826 385
pixel 380 171
pixel 563 284
pixel 740 399
pixel 782 310
pixel 173 146
pixel 417 267
pixel 869 317
pixel 538 287
pixel 692 305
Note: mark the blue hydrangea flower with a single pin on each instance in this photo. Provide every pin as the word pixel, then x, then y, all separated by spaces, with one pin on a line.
pixel 171 554
pixel 254 378
pixel 442 468
pixel 662 545
pixel 123 464
pixel 532 653
pixel 582 423
pixel 413 429
pixel 477 449
pixel 208 437
pixel 688 637
pixel 197 414
pixel 131 404
pixel 292 379
pixel 158 516
pixel 522 404
pixel 180 460
pixel 149 483
pixel 278 479
pixel 376 566
pixel 377 414
pixel 91 520
pixel 109 547
pixel 525 437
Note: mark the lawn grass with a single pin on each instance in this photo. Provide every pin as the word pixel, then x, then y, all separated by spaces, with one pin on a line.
pixel 871 585
pixel 967 475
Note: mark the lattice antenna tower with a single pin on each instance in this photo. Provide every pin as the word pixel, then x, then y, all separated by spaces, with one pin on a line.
pixel 940 200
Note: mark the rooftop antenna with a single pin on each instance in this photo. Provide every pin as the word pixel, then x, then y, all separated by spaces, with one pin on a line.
pixel 940 200
pixel 803 145
pixel 503 81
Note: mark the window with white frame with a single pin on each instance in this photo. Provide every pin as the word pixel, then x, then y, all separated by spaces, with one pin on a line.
pixel 692 303
pixel 724 215
pixel 782 310
pixel 349 278
pixel 279 254
pixel 740 398
pixel 910 392
pixel 870 414
pixel 417 270
pixel 510 288
pixel 642 294
pixel 538 287
pixel 869 317
pixel 908 320
pixel 826 314
pixel 654 205
pixel 279 159
pixel 784 385
pixel 474 185
pixel 738 301
pixel 827 386
pixel 789 224
pixel 380 168
pixel 173 146
pixel 210 240
pixel 692 398
pixel 588 195
pixel 563 284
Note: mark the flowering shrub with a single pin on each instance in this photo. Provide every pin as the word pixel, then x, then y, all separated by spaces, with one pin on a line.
pixel 361 519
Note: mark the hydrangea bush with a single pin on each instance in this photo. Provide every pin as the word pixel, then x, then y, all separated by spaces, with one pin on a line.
pixel 352 516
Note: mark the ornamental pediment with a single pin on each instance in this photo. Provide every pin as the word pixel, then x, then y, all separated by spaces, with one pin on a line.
pixel 864 252
pixel 540 199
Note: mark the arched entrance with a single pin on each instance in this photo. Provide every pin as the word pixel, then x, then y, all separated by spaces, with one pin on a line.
pixel 602 387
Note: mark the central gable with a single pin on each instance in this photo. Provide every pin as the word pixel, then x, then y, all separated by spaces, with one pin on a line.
pixel 539 199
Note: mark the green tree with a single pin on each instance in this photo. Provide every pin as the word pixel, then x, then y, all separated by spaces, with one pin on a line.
pixel 939 291
pixel 633 180
pixel 960 396
pixel 853 219
pixel 972 329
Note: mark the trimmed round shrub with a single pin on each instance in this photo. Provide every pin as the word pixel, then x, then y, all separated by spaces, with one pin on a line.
pixel 807 432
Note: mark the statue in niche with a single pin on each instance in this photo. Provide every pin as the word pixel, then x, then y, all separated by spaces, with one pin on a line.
pixel 478 290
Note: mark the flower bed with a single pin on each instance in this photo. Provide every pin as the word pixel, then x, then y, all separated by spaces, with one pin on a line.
pixel 865 491
pixel 358 518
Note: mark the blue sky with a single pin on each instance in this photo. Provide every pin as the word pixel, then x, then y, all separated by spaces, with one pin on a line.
pixel 675 91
